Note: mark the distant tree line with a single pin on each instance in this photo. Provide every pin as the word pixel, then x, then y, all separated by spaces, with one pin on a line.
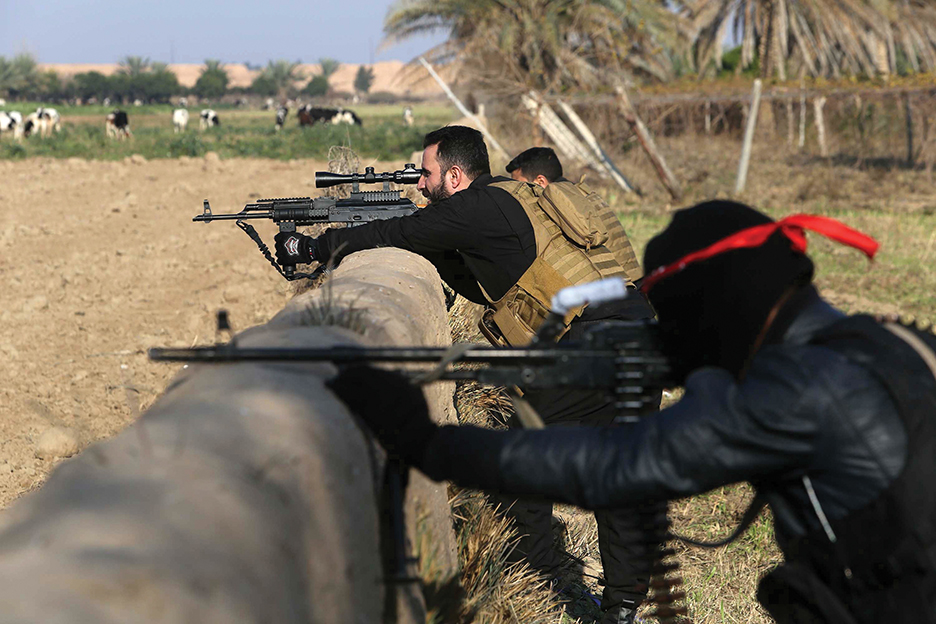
pixel 139 78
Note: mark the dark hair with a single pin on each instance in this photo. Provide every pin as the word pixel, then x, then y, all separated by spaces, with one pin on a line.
pixel 462 146
pixel 537 161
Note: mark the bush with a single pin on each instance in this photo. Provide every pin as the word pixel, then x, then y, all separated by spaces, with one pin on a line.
pixel 383 97
pixel 213 81
pixel 263 85
pixel 364 79
pixel 316 87
pixel 188 144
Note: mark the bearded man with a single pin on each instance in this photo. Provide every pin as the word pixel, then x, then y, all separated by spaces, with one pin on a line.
pixel 493 242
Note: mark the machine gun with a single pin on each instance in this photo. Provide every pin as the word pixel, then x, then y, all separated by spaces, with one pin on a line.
pixel 292 212
pixel 620 359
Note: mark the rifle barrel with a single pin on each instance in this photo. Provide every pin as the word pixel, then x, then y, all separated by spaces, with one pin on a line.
pixel 227 353
pixel 253 214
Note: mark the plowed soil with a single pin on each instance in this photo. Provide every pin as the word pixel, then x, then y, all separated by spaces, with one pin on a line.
pixel 101 260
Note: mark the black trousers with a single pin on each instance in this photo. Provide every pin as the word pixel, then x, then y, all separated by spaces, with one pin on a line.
pixel 628 539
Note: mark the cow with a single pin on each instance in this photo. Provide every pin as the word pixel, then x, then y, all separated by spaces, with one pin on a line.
pixel 117 125
pixel 281 113
pixel 183 102
pixel 408 119
pixel 268 105
pixel 52 119
pixel 309 116
pixel 35 124
pixel 11 122
pixel 179 120
pixel 208 119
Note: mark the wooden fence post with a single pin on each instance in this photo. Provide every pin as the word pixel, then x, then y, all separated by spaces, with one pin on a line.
pixel 818 104
pixel 791 124
pixel 908 113
pixel 802 119
pixel 646 141
pixel 748 138
pixel 708 117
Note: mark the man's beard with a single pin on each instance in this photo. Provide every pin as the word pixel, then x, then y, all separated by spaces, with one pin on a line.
pixel 437 194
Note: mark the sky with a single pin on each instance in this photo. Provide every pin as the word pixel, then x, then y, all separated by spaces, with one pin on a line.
pixel 190 31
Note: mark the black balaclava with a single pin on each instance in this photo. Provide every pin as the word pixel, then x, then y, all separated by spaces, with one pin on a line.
pixel 712 312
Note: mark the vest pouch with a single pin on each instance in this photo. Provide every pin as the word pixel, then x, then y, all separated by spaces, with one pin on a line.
pixel 490 330
pixel 569 207
pixel 794 593
pixel 520 312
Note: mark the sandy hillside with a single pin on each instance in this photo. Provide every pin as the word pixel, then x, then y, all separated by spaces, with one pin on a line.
pixel 100 260
pixel 391 76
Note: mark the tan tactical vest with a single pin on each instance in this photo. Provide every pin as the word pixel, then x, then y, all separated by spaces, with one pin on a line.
pixel 618 242
pixel 570 249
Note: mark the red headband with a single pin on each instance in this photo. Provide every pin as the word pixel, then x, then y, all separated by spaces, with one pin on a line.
pixel 792 227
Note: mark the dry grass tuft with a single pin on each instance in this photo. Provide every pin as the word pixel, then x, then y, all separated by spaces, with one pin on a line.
pixel 463 319
pixel 482 406
pixel 497 591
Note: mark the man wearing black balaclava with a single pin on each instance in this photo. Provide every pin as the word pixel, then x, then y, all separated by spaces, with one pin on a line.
pixel 831 418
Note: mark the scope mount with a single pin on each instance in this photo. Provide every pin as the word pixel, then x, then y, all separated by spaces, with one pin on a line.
pixel 408 175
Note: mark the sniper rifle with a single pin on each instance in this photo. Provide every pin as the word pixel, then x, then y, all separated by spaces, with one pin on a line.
pixel 292 212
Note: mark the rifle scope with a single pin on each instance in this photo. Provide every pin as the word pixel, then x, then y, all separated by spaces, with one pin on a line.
pixel 409 175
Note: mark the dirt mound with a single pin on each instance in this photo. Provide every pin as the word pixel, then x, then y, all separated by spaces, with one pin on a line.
pixel 101 260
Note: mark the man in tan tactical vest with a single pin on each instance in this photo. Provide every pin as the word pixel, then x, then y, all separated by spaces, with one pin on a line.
pixel 511 246
pixel 541 166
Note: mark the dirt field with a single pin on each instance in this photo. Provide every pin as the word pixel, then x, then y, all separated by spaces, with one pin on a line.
pixel 99 261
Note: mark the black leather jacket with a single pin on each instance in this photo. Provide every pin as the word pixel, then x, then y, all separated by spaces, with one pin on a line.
pixel 801 409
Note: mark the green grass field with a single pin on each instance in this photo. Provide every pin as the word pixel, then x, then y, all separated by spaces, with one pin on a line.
pixel 242 133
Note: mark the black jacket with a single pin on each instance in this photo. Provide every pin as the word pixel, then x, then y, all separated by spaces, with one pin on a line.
pixel 478 235
pixel 800 408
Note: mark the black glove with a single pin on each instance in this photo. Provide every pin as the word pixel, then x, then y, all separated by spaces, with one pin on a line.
pixel 294 248
pixel 393 408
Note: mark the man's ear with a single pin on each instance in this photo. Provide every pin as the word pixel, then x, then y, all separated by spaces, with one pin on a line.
pixel 541 181
pixel 456 176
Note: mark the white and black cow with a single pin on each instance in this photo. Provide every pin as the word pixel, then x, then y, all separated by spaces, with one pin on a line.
pixel 281 114
pixel 52 119
pixel 180 118
pixel 208 119
pixel 310 115
pixel 34 124
pixel 12 122
pixel 117 125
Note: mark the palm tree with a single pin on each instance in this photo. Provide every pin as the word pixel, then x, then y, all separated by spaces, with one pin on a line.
pixel 283 74
pixel 134 65
pixel 212 65
pixel 329 66
pixel 545 44
pixel 820 37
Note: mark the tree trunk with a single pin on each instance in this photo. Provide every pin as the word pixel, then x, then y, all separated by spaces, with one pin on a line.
pixel 646 141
